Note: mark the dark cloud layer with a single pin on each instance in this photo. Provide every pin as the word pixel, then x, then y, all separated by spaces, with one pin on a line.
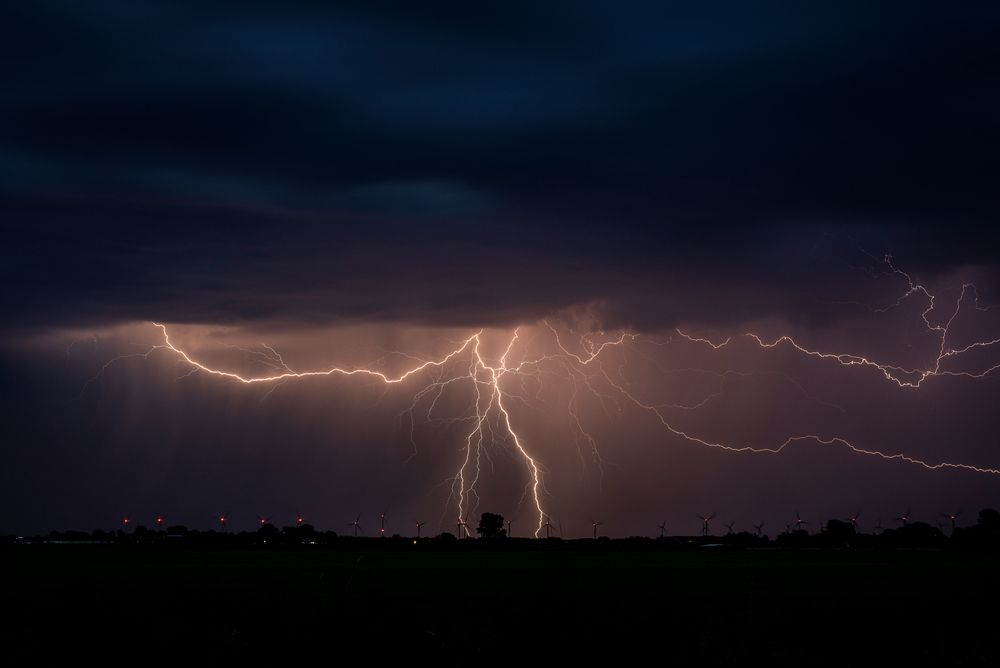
pixel 459 165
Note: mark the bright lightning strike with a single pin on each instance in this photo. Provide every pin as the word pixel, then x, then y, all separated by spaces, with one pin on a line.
pixel 901 376
pixel 488 402
pixel 494 383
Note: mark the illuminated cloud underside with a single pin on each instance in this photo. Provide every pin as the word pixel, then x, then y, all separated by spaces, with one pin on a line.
pixel 493 384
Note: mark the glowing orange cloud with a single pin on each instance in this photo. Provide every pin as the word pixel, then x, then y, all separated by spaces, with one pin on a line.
pixel 580 364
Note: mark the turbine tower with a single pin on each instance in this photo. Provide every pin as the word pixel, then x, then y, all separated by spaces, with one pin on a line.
pixel 663 528
pixel 595 525
pixel 419 524
pixel 952 517
pixel 356 524
pixel 704 523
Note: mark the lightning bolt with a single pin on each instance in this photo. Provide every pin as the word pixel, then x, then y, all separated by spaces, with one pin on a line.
pixel 496 383
pixel 489 407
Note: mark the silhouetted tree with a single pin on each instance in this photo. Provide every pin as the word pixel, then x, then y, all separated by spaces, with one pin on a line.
pixel 989 520
pixel 914 534
pixel 986 532
pixel 268 531
pixel 491 526
pixel 838 532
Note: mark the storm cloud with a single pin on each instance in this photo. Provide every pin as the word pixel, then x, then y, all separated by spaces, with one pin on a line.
pixel 453 165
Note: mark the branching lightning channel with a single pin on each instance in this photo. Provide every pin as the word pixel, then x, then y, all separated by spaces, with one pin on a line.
pixel 494 384
pixel 488 404
pixel 899 375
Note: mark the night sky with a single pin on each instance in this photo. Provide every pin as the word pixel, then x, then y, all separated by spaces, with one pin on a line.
pixel 348 184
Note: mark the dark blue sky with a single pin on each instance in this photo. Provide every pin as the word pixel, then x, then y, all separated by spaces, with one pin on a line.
pixel 158 159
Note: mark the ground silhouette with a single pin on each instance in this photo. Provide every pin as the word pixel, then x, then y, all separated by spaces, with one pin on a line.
pixel 985 534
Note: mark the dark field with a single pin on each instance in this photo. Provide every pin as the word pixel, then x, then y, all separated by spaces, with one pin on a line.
pixel 131 605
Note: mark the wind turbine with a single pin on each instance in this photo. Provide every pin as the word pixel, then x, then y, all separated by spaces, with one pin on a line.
pixel 509 535
pixel 299 519
pixel 757 528
pixel 704 523
pixel 905 517
pixel 595 525
pixel 419 524
pixel 729 527
pixel 952 517
pixel 799 521
pixel 160 519
pixel 462 524
pixel 878 526
pixel 548 527
pixel 381 529
pixel 854 520
pixel 264 521
pixel 222 521
pixel 356 524
pixel 662 527
pixel 125 522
